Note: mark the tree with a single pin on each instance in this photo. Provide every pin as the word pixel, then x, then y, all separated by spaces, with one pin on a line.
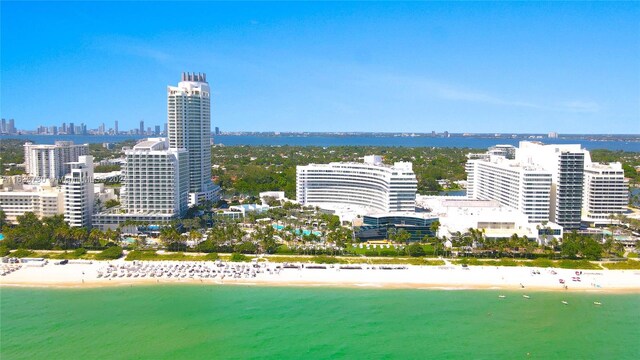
pixel 111 203
pixel 434 227
pixel 403 236
pixel 3 219
pixel 415 250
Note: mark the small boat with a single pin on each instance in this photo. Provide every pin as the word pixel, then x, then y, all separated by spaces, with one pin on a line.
pixel 564 302
pixel 526 296
pixel 501 296
pixel 597 303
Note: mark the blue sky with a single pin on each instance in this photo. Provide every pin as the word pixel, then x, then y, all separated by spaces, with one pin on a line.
pixel 411 67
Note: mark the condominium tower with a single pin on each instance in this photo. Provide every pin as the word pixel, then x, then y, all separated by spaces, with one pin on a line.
pixel 526 188
pixel 189 127
pixel 606 192
pixel 79 193
pixel 370 185
pixel 566 164
pixel 52 161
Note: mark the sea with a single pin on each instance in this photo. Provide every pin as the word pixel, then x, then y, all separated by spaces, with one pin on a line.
pixel 239 322
pixel 454 142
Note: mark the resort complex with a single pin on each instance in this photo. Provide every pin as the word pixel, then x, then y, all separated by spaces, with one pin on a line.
pixel 165 198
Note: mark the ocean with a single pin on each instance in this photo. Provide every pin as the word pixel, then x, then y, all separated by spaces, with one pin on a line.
pixel 457 142
pixel 231 322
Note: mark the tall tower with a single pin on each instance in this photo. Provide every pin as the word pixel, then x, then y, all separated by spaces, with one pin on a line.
pixel 189 127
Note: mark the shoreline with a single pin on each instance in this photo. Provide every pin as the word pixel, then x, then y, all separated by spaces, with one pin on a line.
pixel 417 277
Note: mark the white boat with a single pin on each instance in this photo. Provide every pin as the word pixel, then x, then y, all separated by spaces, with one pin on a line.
pixel 501 296
pixel 597 303
pixel 564 302
pixel 526 296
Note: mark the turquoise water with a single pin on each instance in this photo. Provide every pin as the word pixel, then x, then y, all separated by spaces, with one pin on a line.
pixel 1 237
pixel 297 231
pixel 205 322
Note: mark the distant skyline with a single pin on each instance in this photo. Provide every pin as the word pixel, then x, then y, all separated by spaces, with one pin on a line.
pixel 353 67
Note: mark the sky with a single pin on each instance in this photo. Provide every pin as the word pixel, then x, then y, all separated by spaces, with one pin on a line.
pixel 484 67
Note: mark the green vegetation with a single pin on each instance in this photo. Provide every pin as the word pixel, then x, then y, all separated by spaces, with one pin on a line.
pixel 237 257
pixel 53 233
pixel 326 260
pixel 111 203
pixel 578 264
pixel 21 253
pixel 111 253
pixel 248 170
pixel 540 262
pixel 622 265
pixel 4 251
pixel 106 168
pixel 11 152
pixel 150 255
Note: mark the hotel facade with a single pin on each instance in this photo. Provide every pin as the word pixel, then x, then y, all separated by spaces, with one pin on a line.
pixel 371 185
pixel 155 187
pixel 189 128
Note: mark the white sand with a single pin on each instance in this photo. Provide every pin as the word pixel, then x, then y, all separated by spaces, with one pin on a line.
pixel 443 277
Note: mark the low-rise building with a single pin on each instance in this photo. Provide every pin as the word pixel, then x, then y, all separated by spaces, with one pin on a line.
pixel 43 199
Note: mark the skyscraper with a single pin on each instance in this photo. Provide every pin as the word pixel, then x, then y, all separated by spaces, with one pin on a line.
pixel 141 127
pixel 78 192
pixel 115 128
pixel 189 125
pixel 566 164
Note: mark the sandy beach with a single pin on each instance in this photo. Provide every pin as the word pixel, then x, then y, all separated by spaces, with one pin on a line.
pixel 116 273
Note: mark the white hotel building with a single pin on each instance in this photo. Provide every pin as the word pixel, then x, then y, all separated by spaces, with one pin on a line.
pixel 79 193
pixel 560 177
pixel 526 188
pixel 52 161
pixel 42 199
pixel 189 127
pixel 156 186
pixel 370 186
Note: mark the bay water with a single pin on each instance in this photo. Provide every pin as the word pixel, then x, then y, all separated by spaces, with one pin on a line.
pixel 222 322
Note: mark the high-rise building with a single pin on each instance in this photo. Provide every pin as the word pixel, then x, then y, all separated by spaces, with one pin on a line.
pixel 52 161
pixel 64 128
pixel 72 129
pixel 189 127
pixel 566 164
pixel 79 193
pixel 157 131
pixel 217 132
pixel 115 128
pixel 141 127
pixel 3 126
pixel 606 192
pixel 11 127
pixel 526 188
pixel 155 187
pixel 370 186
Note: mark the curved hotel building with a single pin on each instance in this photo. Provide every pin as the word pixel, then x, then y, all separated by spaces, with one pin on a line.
pixel 370 186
